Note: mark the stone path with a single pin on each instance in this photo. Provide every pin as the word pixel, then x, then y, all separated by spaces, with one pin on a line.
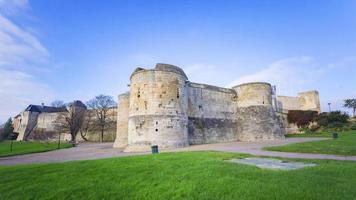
pixel 90 151
pixel 256 148
pixel 84 151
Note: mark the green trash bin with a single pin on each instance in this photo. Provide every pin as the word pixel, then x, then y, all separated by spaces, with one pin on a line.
pixel 154 149
pixel 335 135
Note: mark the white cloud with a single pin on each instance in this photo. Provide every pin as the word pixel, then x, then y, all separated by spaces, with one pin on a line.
pixel 20 53
pixel 290 75
pixel 19 89
pixel 11 7
pixel 19 48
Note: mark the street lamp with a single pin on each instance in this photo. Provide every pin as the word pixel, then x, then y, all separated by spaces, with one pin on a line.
pixel 329 107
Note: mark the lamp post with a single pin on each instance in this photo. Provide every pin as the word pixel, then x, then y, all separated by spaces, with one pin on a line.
pixel 329 107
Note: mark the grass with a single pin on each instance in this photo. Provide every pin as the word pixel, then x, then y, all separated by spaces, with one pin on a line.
pixel 184 175
pixel 317 134
pixel 344 145
pixel 19 148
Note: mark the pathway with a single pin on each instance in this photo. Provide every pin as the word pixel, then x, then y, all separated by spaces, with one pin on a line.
pixel 90 151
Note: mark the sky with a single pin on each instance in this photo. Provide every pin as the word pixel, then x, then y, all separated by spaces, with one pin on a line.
pixel 75 50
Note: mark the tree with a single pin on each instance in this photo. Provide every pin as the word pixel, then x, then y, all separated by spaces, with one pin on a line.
pixel 301 118
pixel 350 103
pixel 58 103
pixel 72 120
pixel 101 106
pixel 88 124
pixel 7 130
pixel 332 119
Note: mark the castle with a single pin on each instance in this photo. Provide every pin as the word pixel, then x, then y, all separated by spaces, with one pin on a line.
pixel 164 108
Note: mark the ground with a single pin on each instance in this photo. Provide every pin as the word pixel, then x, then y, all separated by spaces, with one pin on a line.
pixel 88 151
pixel 183 175
pixel 19 148
pixel 196 172
pixel 344 145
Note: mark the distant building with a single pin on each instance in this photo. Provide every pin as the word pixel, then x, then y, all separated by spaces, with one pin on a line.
pixel 39 122
pixel 38 118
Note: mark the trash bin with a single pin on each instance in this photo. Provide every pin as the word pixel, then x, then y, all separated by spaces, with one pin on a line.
pixel 154 149
pixel 335 135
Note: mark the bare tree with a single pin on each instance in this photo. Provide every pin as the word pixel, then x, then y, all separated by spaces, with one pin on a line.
pixel 88 124
pixel 101 106
pixel 58 103
pixel 72 120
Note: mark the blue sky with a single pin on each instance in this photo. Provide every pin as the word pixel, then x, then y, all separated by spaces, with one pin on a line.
pixel 63 49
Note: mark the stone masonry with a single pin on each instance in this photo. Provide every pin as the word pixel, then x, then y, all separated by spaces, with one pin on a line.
pixel 164 108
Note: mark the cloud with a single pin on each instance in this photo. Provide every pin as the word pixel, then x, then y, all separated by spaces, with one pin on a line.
pixel 19 48
pixel 19 89
pixel 290 75
pixel 21 53
pixel 11 7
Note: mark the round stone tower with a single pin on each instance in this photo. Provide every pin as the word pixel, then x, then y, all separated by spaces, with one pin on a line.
pixel 256 118
pixel 158 108
pixel 254 94
pixel 122 119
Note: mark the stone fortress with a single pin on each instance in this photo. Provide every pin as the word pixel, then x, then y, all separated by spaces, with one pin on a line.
pixel 164 108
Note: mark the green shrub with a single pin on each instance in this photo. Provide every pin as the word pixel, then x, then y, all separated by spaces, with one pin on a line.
pixel 335 119
pixel 353 127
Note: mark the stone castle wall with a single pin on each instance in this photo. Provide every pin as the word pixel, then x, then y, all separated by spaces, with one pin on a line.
pixel 256 118
pixel 121 140
pixel 163 108
pixel 211 114
pixel 308 100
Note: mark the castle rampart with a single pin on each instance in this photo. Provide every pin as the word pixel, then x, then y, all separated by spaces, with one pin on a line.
pixel 163 108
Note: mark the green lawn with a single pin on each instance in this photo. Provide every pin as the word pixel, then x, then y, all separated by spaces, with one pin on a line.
pixel 317 134
pixel 28 147
pixel 344 145
pixel 184 175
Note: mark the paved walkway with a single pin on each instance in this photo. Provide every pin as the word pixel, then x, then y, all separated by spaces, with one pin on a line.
pixel 90 151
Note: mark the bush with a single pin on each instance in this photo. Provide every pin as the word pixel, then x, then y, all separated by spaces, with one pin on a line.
pixel 301 118
pixel 314 127
pixel 335 119
pixel 7 131
pixel 353 127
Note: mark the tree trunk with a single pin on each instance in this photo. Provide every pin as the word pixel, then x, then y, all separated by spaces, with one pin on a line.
pixel 72 139
pixel 354 112
pixel 102 135
pixel 83 136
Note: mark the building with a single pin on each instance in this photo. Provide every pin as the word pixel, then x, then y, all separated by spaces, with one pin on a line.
pixel 164 108
pixel 37 119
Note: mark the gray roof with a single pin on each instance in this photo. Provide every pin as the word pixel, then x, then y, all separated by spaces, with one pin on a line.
pixel 45 109
pixel 78 103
